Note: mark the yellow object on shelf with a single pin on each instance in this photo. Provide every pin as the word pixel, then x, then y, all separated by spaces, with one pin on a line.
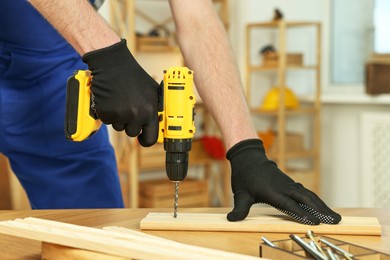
pixel 272 101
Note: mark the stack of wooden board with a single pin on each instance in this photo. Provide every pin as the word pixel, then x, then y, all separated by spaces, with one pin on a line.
pixel 107 243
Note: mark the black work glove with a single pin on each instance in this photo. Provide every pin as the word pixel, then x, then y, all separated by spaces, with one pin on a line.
pixel 256 179
pixel 124 95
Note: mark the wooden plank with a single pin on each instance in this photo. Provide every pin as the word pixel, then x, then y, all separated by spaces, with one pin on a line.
pixel 51 251
pixel 269 224
pixel 125 244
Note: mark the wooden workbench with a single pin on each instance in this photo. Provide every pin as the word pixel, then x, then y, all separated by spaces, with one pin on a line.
pixel 245 243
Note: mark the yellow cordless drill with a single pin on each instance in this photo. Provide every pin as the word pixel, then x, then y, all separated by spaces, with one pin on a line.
pixel 176 127
pixel 175 112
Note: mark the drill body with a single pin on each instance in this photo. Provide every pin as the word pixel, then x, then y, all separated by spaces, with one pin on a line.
pixel 176 124
pixel 176 120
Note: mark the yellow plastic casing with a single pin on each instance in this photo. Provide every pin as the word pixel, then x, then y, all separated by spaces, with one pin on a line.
pixel 85 124
pixel 177 117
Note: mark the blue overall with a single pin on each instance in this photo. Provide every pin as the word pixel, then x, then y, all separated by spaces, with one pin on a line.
pixel 35 62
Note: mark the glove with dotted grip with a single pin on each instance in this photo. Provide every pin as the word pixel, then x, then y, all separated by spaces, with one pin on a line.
pixel 256 179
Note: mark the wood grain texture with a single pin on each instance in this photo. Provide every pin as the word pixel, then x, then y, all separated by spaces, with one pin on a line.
pixel 56 252
pixel 269 224
pixel 129 244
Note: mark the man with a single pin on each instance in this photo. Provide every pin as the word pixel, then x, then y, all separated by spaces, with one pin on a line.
pixel 126 97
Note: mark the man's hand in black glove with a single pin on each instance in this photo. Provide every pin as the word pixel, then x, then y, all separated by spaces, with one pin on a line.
pixel 124 95
pixel 256 179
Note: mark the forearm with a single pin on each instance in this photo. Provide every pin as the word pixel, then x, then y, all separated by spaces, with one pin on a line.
pixel 206 50
pixel 78 23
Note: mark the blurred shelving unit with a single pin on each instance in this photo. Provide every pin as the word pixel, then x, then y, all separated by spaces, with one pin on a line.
pixel 309 175
pixel 131 157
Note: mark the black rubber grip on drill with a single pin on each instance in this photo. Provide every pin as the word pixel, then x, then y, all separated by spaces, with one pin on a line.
pixel 176 159
pixel 72 103
pixel 176 166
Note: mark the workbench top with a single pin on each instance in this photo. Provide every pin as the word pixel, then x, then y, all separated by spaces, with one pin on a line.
pixel 240 242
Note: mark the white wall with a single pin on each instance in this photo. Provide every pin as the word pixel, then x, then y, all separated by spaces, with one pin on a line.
pixel 341 152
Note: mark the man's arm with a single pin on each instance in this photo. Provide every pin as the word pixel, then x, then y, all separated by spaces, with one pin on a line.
pixel 78 23
pixel 255 178
pixel 124 93
pixel 206 50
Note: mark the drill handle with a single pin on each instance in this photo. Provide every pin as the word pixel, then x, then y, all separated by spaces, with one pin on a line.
pixel 81 121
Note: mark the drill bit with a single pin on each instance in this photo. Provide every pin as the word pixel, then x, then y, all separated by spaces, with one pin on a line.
pixel 176 199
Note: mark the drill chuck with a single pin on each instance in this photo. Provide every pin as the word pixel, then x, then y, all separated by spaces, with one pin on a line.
pixel 176 160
